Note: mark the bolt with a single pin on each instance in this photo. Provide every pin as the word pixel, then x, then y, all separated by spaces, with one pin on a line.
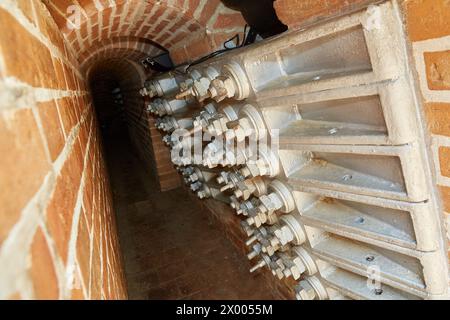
pixel 332 131
pixel 359 220
pixel 248 229
pixel 287 273
pixel 238 193
pixel 251 240
pixel 304 291
pixel 245 172
pixel 252 254
pixel 183 94
pixel 194 177
pixel 226 187
pixel 259 265
pixel 347 177
pixel 201 194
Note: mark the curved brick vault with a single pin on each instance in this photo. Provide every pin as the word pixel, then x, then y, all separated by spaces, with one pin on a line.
pixel 134 29
pixel 180 26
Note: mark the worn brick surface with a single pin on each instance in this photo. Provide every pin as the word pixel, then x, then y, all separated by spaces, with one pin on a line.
pixel 43 148
pixel 427 19
pixel 25 165
pixel 444 160
pixel 49 116
pixel 438 118
pixel 61 208
pixel 37 72
pixel 445 193
pixel 297 13
pixel 42 271
pixel 438 70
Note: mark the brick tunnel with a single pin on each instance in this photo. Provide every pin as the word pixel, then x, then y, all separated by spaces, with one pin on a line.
pixel 92 205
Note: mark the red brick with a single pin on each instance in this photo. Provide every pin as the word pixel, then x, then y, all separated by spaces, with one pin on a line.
pixel 16 45
pixel 23 174
pixel 43 275
pixel 48 27
pixel 444 160
pixel 53 132
pixel 445 197
pixel 199 47
pixel 77 290
pixel 225 21
pixel 67 110
pixel 15 296
pixel 96 285
pixel 61 208
pixel 27 8
pixel 438 118
pixel 438 70
pixel 83 250
pixel 59 18
pixel 208 10
pixel 427 19
pixel 295 13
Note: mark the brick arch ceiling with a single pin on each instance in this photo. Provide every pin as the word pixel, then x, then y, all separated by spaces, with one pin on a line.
pixel 126 73
pixel 124 70
pixel 124 48
pixel 187 28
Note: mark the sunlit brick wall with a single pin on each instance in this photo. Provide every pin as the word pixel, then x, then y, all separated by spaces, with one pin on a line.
pixel 428 28
pixel 298 13
pixel 57 230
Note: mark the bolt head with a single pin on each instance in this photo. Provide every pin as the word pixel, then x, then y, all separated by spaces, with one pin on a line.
pixel 304 291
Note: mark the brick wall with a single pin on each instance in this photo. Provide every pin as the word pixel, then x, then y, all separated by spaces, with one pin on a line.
pixel 57 229
pixel 428 30
pixel 298 13
pixel 144 136
pixel 133 29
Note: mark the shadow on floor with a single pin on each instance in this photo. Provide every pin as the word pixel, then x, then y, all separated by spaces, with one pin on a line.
pixel 170 248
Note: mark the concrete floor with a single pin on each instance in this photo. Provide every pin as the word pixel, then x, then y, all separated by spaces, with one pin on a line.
pixel 170 249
